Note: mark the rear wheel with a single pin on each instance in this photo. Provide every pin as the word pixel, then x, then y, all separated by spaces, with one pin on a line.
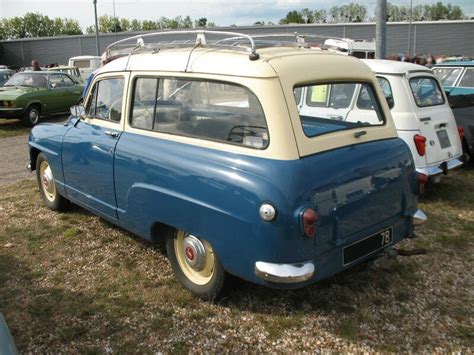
pixel 47 185
pixel 31 116
pixel 195 264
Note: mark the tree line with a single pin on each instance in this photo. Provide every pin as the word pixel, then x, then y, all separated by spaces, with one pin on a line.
pixel 355 12
pixel 37 25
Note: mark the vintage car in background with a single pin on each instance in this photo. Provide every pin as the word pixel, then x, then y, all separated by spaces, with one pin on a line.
pixel 421 114
pixel 358 48
pixel 28 95
pixel 202 148
pixel 86 64
pixel 457 78
pixel 73 72
pixel 5 74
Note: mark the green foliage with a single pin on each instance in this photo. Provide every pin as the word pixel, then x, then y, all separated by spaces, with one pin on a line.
pixel 37 25
pixel 293 17
pixel 434 12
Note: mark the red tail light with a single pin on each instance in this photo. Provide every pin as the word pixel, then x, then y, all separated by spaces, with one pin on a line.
pixel 420 143
pixel 422 180
pixel 309 218
pixel 461 133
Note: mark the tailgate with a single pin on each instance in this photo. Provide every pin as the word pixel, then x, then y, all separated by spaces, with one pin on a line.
pixel 360 190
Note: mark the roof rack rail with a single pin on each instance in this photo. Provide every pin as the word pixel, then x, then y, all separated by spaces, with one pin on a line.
pixel 137 43
pixel 152 42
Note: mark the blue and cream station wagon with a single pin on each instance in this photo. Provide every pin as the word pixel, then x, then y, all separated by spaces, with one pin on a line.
pixel 199 145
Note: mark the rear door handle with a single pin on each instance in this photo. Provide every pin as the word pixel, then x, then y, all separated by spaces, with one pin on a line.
pixel 113 134
pixel 359 133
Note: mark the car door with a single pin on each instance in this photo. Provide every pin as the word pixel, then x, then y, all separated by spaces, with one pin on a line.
pixel 89 147
pixel 57 95
pixel 72 92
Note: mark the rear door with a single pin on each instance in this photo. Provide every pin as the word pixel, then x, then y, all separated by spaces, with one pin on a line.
pixel 437 122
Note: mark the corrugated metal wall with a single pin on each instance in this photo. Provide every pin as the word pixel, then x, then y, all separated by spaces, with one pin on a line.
pixel 437 38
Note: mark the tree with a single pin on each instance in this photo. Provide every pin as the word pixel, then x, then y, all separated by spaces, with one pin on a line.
pixel 136 25
pixel 307 15
pixel 319 16
pixel 187 22
pixel 202 22
pixel 292 17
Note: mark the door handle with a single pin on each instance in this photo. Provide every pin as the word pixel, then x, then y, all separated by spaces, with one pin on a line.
pixel 359 134
pixel 113 134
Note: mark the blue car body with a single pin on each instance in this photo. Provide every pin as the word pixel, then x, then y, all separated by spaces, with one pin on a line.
pixel 217 195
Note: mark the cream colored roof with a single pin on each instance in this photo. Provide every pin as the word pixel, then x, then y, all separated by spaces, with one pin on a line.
pixel 394 67
pixel 233 62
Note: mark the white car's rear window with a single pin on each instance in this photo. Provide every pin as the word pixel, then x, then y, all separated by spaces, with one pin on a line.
pixel 426 91
pixel 330 107
pixel 82 63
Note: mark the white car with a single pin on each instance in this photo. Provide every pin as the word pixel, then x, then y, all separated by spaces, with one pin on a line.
pixel 422 115
pixel 358 48
pixel 418 104
pixel 86 64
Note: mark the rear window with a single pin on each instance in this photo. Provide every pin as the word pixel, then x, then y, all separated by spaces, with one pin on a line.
pixel 426 92
pixel 467 80
pixel 82 63
pixel 447 76
pixel 208 110
pixel 333 107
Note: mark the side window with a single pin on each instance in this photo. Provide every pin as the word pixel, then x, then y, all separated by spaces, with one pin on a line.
pixel 105 100
pixel 67 81
pixel 55 81
pixel 387 91
pixel 209 110
pixel 467 80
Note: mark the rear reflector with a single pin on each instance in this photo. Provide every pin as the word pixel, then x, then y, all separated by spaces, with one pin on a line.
pixel 309 218
pixel 420 144
pixel 422 180
pixel 461 133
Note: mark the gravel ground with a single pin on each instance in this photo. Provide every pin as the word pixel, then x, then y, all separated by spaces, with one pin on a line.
pixel 13 159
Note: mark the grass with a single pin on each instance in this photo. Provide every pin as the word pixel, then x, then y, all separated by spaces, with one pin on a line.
pixel 70 282
pixel 13 127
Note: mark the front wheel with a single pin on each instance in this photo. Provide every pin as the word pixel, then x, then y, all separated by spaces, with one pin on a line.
pixel 31 116
pixel 195 264
pixel 47 185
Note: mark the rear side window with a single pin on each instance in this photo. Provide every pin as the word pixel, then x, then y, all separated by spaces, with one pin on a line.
pixel 331 107
pixel 467 80
pixel 105 100
pixel 82 63
pixel 209 110
pixel 60 81
pixel 447 75
pixel 426 91
pixel 387 91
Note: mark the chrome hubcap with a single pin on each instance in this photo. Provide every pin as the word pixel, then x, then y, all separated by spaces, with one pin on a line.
pixel 194 253
pixel 33 115
pixel 47 181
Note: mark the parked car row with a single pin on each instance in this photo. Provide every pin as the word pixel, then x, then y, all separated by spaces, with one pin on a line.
pixel 257 164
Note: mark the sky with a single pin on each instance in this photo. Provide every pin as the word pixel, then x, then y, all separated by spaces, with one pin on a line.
pixel 223 13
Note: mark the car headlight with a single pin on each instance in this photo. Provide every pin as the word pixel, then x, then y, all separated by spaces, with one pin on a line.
pixel 7 103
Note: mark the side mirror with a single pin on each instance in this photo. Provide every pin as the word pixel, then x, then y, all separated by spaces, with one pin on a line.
pixel 77 110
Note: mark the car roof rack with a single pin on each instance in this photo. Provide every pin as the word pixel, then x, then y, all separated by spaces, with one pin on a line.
pixel 153 42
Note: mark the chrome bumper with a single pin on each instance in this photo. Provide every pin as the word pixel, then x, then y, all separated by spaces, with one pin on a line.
pixel 284 273
pixel 419 218
pixel 437 170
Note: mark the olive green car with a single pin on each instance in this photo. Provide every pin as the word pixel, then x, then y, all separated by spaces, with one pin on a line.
pixel 28 95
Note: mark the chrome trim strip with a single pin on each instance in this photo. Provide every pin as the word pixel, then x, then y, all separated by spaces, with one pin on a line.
pixel 419 218
pixel 436 170
pixel 284 273
pixel 11 109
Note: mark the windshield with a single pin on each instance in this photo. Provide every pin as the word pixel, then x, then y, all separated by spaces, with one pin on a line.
pixel 447 75
pixel 331 107
pixel 38 80
pixel 426 91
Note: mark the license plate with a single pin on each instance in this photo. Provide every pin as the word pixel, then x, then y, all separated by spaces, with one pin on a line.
pixel 367 246
pixel 443 139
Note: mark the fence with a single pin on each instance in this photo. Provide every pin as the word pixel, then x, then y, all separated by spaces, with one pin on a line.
pixel 437 38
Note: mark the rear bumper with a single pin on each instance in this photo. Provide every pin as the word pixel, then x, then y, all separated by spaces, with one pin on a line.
pixel 284 273
pixel 10 112
pixel 442 168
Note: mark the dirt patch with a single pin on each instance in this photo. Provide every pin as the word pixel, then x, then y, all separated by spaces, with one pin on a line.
pixel 70 282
